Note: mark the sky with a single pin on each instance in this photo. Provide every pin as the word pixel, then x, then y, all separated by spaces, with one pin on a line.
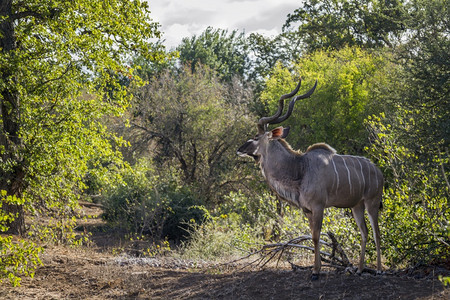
pixel 185 18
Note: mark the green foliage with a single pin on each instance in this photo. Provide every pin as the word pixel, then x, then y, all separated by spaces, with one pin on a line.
pixel 58 230
pixel 414 223
pixel 193 122
pixel 349 83
pixel 232 230
pixel 65 70
pixel 18 257
pixel 445 280
pixel 184 207
pixel 411 142
pixel 338 24
pixel 62 109
pixel 62 69
pixel 427 80
pixel 147 204
pixel 220 238
pixel 243 224
pixel 263 210
pixel 224 52
pixel 267 52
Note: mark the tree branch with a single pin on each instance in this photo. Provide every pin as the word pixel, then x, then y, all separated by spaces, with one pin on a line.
pixel 270 251
pixel 31 13
pixel 25 14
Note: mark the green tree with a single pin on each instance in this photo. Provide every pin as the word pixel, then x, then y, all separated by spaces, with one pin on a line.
pixel 334 24
pixel 411 142
pixel 193 122
pixel 267 52
pixel 61 64
pixel 226 53
pixel 414 222
pixel 427 72
pixel 352 85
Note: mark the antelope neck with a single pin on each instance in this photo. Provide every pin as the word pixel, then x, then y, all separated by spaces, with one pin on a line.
pixel 281 163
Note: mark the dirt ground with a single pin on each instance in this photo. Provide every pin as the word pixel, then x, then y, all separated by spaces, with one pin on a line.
pixel 92 273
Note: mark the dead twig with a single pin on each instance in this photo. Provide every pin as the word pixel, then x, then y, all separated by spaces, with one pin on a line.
pixel 335 258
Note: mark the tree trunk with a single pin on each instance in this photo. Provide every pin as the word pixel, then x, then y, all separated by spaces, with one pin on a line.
pixel 11 171
pixel 17 226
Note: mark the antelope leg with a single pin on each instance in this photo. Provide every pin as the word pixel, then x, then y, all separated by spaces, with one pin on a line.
pixel 372 211
pixel 358 214
pixel 315 224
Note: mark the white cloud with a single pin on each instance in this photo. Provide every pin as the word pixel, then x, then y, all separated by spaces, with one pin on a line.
pixel 181 19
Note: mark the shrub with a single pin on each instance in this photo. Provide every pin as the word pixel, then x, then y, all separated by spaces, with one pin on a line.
pixel 414 223
pixel 243 224
pixel 152 205
pixel 221 237
pixel 18 257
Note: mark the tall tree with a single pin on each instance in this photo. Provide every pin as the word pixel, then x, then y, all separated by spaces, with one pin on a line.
pixel 11 173
pixel 334 24
pixel 191 122
pixel 426 56
pixel 60 66
pixel 226 53
pixel 268 51
pixel 351 85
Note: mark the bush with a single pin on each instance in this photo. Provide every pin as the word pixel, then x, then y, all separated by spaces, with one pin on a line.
pixel 18 257
pixel 243 224
pixel 150 204
pixel 414 223
pixel 220 238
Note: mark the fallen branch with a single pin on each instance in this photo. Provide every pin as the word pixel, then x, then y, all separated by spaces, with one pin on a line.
pixel 335 258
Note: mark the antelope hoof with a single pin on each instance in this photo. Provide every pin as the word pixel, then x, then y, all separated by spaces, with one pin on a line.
pixel 314 277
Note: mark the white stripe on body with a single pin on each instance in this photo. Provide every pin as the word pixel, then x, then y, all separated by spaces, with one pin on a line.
pixel 337 175
pixel 348 175
pixel 362 175
pixel 368 181
pixel 354 166
pixel 376 177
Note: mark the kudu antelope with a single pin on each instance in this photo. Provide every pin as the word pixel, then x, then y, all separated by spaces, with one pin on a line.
pixel 317 179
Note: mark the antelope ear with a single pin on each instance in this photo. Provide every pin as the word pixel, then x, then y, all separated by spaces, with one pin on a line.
pixel 285 132
pixel 278 133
